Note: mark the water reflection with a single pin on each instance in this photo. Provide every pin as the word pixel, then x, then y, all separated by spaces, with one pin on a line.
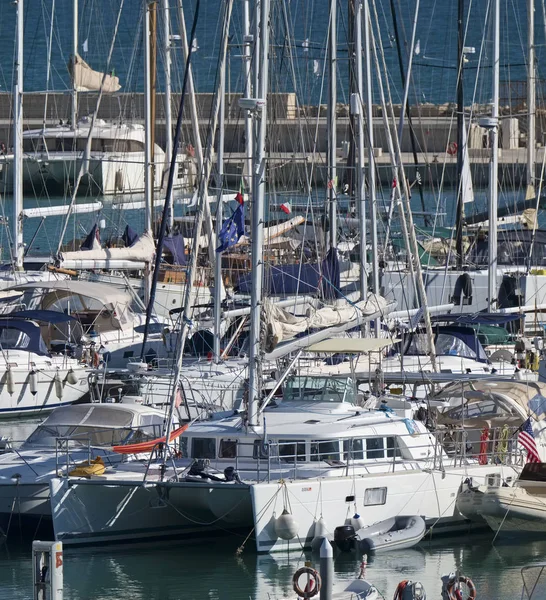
pixel 213 570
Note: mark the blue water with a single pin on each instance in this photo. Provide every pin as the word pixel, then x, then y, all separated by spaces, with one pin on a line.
pixel 434 70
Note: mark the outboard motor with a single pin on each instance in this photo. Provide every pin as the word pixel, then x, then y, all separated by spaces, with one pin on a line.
pixel 344 537
pixel 410 590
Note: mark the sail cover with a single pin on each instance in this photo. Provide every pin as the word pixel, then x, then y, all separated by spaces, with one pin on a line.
pixel 142 250
pixel 282 325
pixel 85 79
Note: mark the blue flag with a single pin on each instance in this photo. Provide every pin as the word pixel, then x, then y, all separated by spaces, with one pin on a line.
pixel 232 229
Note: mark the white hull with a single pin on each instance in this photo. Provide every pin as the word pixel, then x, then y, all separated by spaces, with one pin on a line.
pixel 97 512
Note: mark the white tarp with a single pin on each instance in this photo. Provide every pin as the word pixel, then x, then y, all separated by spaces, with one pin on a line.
pixel 143 251
pixel 282 325
pixel 87 80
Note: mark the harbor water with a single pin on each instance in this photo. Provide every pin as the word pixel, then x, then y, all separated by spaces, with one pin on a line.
pixel 212 569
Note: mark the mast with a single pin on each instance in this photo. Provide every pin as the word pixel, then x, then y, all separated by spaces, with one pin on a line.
pixel 258 209
pixel 167 101
pixel 358 110
pixel 74 107
pixel 219 217
pixel 493 165
pixel 531 99
pixel 148 171
pixel 460 139
pixel 332 123
pixel 371 159
pixel 17 247
pixel 247 64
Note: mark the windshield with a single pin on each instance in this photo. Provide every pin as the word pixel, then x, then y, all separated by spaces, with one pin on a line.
pixel 445 344
pixel 318 389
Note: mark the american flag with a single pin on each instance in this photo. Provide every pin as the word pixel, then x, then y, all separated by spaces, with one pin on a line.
pixel 527 439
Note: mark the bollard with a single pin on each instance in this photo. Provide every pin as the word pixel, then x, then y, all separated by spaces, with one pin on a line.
pixel 326 570
pixel 47 570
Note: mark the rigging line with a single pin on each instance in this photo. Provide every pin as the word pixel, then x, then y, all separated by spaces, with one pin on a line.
pixel 408 107
pixel 87 150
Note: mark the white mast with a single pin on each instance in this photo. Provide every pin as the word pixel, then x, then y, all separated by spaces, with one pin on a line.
pixel 258 206
pixel 74 108
pixel 332 123
pixel 531 99
pixel 247 64
pixel 148 167
pixel 17 247
pixel 219 217
pixel 371 159
pixel 167 102
pixel 493 165
pixel 358 109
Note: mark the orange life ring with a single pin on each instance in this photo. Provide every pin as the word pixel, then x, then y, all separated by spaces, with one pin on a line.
pixel 469 584
pixel 313 585
pixel 452 148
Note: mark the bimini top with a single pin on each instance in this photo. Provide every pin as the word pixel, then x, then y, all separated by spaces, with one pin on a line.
pixel 105 294
pixel 24 335
pixel 351 345
pixel 493 402
pixel 98 415
pixel 43 316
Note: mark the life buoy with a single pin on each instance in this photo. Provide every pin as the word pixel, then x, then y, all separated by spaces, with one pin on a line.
pixel 451 591
pixel 400 590
pixel 452 148
pixel 312 587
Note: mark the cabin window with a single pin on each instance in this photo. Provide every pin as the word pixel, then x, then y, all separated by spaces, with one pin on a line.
pixel 203 448
pixel 291 449
pixel 228 449
pixel 375 496
pixel 393 448
pixel 354 449
pixel 375 448
pixel 261 449
pixel 325 450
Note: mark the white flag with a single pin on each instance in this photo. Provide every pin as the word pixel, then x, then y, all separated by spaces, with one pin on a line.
pixel 85 46
pixel 305 45
pixel 417 49
pixel 316 68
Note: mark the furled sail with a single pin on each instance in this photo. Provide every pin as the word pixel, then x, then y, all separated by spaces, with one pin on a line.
pixel 142 251
pixel 282 325
pixel 85 79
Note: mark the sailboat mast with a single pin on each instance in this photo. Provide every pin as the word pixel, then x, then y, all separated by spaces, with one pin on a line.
pixel 460 135
pixel 167 101
pixel 493 165
pixel 74 107
pixel 148 172
pixel 258 215
pixel 332 123
pixel 247 63
pixel 219 217
pixel 371 158
pixel 358 110
pixel 17 247
pixel 531 99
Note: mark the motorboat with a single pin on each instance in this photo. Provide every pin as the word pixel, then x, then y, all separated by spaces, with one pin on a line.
pixel 70 435
pixel 52 157
pixel 316 452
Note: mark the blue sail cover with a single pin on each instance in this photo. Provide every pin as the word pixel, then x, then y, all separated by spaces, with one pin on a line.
pixel 175 245
pixel 130 236
pixel 310 279
pixel 92 238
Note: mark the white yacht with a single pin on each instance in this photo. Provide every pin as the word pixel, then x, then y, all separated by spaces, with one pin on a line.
pixel 70 435
pixel 115 165
pixel 317 455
